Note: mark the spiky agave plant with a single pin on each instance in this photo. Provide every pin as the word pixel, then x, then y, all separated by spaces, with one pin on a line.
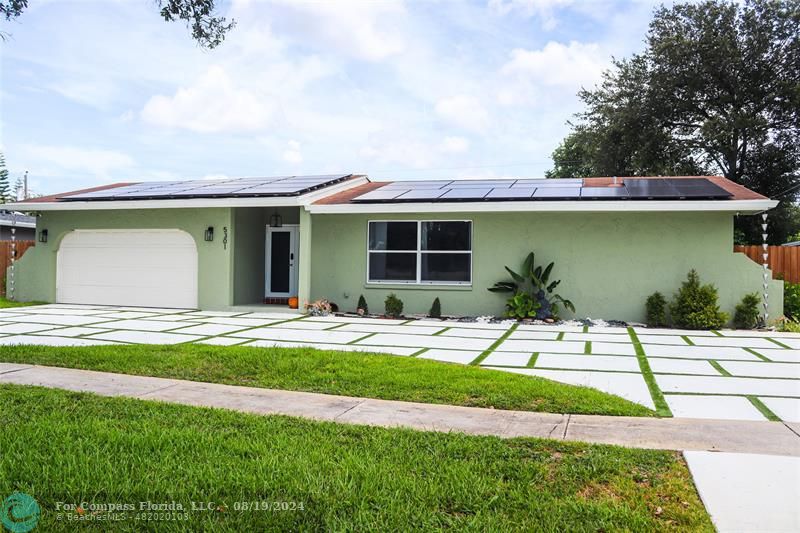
pixel 532 291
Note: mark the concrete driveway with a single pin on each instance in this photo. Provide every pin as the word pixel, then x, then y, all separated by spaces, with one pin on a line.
pixel 737 375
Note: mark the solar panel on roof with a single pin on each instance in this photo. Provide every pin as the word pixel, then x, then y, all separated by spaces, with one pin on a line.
pixel 604 192
pixel 511 193
pixel 557 193
pixel 466 193
pixel 699 187
pixel 380 195
pixel 651 188
pixel 421 194
pixel 280 186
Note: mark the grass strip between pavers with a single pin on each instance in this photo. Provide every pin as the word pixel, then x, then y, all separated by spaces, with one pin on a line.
pixel 441 331
pixel 687 340
pixel 478 360
pixel 587 350
pixel 662 408
pixel 763 409
pixel 779 343
pixel 718 368
pixel 763 358
pixel 532 361
pixel 560 336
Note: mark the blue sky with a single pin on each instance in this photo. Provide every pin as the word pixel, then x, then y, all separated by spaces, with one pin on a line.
pixel 100 91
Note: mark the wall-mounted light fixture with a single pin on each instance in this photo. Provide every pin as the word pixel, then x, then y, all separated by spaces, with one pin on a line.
pixel 276 221
pixel 210 233
pixel 43 236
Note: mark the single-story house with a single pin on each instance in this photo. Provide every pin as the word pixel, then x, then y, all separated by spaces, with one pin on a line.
pixel 218 244
pixel 24 226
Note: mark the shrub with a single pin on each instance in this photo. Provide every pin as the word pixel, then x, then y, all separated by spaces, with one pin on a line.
pixel 522 305
pixel 746 315
pixel 393 306
pixel 532 292
pixel 695 305
pixel 436 309
pixel 791 299
pixel 362 308
pixel 656 306
pixel 789 324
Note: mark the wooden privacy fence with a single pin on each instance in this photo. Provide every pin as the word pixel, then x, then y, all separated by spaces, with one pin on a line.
pixel 784 261
pixel 5 257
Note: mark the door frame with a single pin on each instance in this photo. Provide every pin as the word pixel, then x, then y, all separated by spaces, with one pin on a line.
pixel 294 270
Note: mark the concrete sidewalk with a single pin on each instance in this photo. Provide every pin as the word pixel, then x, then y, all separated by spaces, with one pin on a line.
pixel 773 438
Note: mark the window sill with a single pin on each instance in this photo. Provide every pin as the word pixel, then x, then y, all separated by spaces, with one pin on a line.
pixel 418 286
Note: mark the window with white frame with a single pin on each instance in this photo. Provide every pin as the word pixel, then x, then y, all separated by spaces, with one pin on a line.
pixel 405 251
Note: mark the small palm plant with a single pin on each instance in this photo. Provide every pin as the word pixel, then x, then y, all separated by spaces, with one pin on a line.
pixel 532 292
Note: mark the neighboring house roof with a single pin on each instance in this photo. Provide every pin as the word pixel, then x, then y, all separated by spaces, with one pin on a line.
pixel 8 218
pixel 351 193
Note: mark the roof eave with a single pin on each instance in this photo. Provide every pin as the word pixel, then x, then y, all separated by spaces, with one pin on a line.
pixel 585 206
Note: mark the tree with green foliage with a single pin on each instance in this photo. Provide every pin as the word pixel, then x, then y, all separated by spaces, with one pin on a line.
pixel 716 91
pixel 5 186
pixel 199 16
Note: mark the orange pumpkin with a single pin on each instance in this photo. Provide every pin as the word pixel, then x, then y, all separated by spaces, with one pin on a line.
pixel 293 302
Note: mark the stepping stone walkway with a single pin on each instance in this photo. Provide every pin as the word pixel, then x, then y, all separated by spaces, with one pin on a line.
pixel 726 374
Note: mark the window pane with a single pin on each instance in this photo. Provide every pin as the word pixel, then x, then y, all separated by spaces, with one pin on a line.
pixel 446 235
pixel 392 267
pixel 446 267
pixel 392 235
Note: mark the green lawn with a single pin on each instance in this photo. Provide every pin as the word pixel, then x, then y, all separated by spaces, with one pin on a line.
pixel 4 302
pixel 70 447
pixel 334 372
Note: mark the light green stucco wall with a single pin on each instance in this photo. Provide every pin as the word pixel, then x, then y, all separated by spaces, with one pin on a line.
pixel 36 271
pixel 608 262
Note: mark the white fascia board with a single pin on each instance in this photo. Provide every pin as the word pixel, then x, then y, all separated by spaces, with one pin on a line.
pixel 265 201
pixel 590 206
pixel 18 224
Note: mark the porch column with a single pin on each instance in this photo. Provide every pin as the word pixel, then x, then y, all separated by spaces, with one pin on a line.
pixel 304 276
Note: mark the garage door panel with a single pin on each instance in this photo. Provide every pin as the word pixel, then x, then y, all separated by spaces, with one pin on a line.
pixel 153 268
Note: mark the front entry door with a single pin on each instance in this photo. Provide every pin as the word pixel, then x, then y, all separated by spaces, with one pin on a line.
pixel 281 260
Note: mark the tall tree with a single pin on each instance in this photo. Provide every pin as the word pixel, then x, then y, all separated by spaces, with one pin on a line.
pixel 717 90
pixel 5 186
pixel 206 28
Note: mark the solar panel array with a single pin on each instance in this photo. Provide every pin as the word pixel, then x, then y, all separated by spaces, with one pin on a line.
pixel 542 189
pixel 225 188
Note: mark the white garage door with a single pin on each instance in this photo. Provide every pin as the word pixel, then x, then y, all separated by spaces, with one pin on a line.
pixel 151 268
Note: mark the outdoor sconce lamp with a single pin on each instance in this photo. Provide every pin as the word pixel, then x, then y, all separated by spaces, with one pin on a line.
pixel 43 236
pixel 210 233
pixel 276 221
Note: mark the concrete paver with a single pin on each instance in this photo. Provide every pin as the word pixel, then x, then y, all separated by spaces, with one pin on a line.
pixel 748 492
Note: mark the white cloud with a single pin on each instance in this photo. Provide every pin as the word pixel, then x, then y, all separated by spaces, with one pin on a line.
pixel 213 104
pixel 463 111
pixel 365 30
pixel 49 160
pixel 543 9
pixel 454 145
pixel 570 65
pixel 292 153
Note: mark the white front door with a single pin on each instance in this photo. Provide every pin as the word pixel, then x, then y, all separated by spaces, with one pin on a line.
pixel 137 267
pixel 282 259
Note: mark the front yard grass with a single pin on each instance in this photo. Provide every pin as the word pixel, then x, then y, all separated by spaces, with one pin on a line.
pixel 334 372
pixel 60 446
